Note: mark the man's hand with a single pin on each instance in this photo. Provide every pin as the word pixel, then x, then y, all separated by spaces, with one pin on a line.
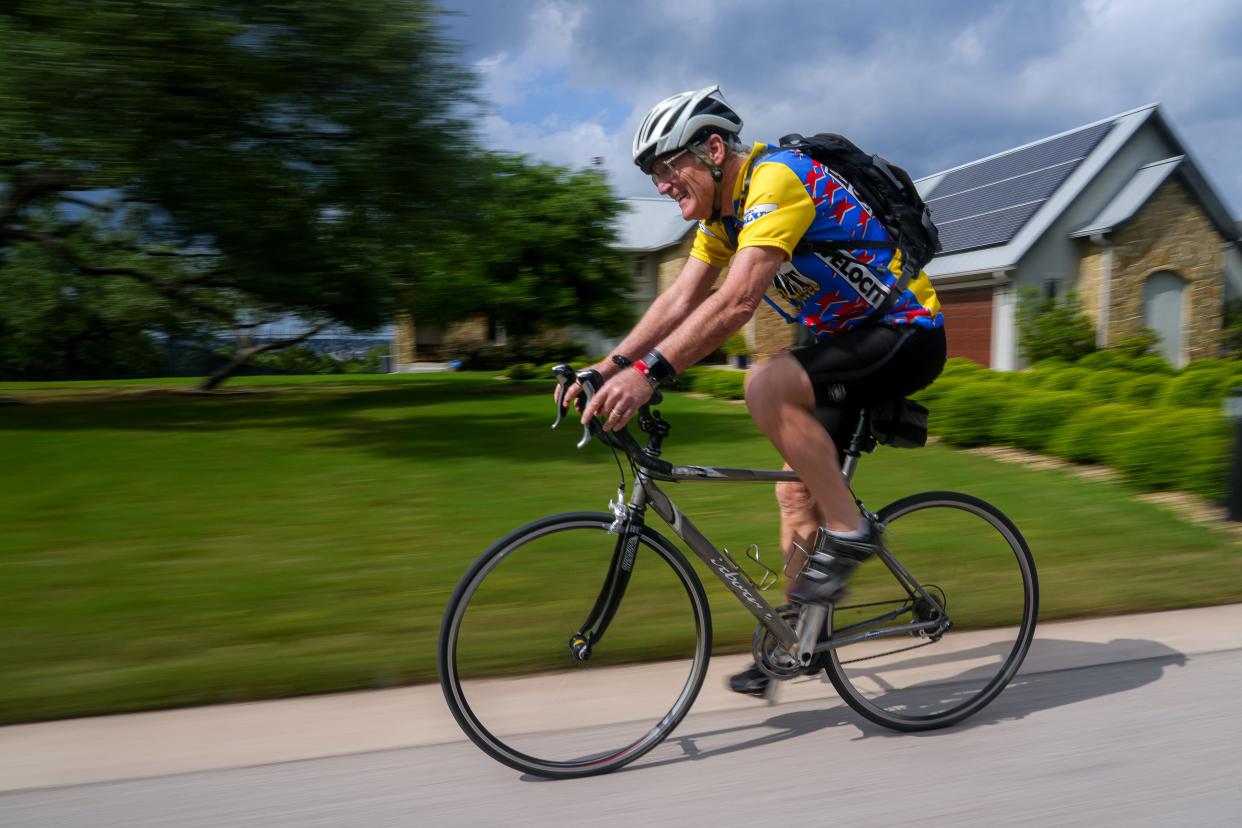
pixel 619 399
pixel 605 369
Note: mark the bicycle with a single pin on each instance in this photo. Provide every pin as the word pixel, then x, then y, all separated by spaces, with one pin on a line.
pixel 616 575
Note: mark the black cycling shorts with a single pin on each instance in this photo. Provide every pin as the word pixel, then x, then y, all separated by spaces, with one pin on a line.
pixel 866 366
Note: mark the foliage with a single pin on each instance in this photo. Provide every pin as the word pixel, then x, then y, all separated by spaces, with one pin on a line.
pixel 736 345
pixel 231 161
pixel 1030 420
pixel 295 360
pixel 488 356
pixel 1231 340
pixel 1102 384
pixel 523 371
pixel 1051 328
pixel 535 251
pixel 967 413
pixel 715 382
pixel 1143 390
pixel 1143 343
pixel 1065 379
pixel 1092 435
pixel 1201 384
pixel 1183 449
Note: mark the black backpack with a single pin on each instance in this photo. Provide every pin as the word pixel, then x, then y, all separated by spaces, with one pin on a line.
pixel 891 195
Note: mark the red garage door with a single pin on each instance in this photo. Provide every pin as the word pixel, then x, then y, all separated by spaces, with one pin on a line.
pixel 968 323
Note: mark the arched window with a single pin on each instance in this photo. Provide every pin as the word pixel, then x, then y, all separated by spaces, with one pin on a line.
pixel 1163 312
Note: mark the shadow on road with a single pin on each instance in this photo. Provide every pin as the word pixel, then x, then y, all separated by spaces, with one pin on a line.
pixel 1062 673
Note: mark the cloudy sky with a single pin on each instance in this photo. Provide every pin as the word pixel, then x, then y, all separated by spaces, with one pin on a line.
pixel 927 83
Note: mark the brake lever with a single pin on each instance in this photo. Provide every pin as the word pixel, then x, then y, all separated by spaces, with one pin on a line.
pixel 564 376
pixel 587 392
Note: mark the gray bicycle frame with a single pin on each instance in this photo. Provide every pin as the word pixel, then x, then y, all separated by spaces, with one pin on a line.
pixel 647 493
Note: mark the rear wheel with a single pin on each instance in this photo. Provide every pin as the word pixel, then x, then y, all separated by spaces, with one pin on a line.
pixel 979 595
pixel 512 644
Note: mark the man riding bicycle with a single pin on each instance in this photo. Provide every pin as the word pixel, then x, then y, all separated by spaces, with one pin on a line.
pixel 754 205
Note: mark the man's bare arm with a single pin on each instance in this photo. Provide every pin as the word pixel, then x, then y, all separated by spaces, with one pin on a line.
pixel 724 312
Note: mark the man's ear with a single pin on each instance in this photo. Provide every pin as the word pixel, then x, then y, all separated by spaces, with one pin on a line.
pixel 716 149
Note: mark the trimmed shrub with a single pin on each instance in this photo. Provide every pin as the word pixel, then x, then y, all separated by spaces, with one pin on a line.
pixel 967 414
pixel 1184 449
pixel 1107 358
pixel 1093 435
pixel 1103 384
pixel 1066 379
pixel 1142 390
pixel 523 371
pixel 961 366
pixel 1200 385
pixel 1150 364
pixel 1031 419
pixel 715 382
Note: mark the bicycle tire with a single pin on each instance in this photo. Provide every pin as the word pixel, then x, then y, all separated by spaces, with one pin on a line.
pixel 914 693
pixel 469 616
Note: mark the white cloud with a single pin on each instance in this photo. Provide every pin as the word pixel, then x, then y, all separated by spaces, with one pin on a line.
pixel 930 85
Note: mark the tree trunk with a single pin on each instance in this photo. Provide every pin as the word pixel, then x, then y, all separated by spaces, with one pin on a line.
pixel 244 355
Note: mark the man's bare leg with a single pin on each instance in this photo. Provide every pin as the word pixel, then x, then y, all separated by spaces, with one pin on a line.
pixel 782 403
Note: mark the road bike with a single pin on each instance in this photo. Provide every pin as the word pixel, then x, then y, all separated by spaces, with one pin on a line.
pixel 535 639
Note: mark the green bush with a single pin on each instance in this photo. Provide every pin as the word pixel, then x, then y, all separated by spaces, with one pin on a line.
pixel 961 366
pixel 715 382
pixel 1093 435
pixel 1150 364
pixel 1103 384
pixel 1031 419
pixel 1067 379
pixel 1182 449
pixel 1204 383
pixel 1142 390
pixel 1107 358
pixel 1053 328
pixel 522 371
pixel 967 414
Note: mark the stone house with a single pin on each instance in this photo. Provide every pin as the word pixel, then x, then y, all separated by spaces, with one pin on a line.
pixel 1116 211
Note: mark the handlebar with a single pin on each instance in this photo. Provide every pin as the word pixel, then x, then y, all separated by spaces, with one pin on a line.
pixel 591 381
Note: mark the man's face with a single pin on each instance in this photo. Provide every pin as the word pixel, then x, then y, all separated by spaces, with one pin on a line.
pixel 686 180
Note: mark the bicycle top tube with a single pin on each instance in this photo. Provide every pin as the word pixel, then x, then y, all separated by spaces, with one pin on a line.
pixel 647 458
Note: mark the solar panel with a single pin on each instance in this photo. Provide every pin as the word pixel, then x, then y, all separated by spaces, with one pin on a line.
pixel 987 202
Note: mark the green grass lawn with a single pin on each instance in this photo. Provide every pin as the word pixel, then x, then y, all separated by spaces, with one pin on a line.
pixel 303 535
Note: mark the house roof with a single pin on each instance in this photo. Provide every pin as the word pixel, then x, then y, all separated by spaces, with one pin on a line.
pixel 992 211
pixel 1131 198
pixel 651 224
pixel 1044 178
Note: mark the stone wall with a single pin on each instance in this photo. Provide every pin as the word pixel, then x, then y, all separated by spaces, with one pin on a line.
pixel 1170 233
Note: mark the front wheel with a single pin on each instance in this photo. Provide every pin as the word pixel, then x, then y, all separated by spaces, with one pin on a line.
pixel 961 569
pixel 515 664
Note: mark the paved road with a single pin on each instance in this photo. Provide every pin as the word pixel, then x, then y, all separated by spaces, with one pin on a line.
pixel 1155 741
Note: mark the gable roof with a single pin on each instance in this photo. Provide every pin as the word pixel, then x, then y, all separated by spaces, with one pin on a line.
pixel 1044 177
pixel 651 224
pixel 1131 197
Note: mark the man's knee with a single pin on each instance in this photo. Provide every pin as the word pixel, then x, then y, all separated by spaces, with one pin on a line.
pixel 776 379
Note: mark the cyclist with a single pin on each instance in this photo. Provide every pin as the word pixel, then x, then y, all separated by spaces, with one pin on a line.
pixel 754 205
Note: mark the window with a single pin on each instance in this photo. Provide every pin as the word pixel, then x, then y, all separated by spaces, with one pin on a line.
pixel 1052 288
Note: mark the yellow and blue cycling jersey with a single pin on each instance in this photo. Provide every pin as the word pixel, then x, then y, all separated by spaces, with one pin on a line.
pixel 791 198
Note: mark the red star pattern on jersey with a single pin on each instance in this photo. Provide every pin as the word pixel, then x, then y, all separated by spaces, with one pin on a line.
pixel 816 174
pixel 842 207
pixel 826 302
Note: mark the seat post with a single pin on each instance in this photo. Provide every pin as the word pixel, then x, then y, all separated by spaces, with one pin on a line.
pixel 858 444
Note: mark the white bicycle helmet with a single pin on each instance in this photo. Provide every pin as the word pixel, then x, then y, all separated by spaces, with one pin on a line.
pixel 674 122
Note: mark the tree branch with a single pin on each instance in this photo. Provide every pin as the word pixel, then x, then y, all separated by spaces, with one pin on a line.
pixel 244 355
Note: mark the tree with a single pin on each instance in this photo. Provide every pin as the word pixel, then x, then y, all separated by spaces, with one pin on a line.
pixel 228 160
pixel 1053 329
pixel 532 247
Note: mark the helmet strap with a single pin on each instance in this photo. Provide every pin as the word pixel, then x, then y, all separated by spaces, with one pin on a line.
pixel 717 176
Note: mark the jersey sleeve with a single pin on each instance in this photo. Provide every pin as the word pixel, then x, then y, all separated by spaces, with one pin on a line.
pixel 778 210
pixel 710 246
